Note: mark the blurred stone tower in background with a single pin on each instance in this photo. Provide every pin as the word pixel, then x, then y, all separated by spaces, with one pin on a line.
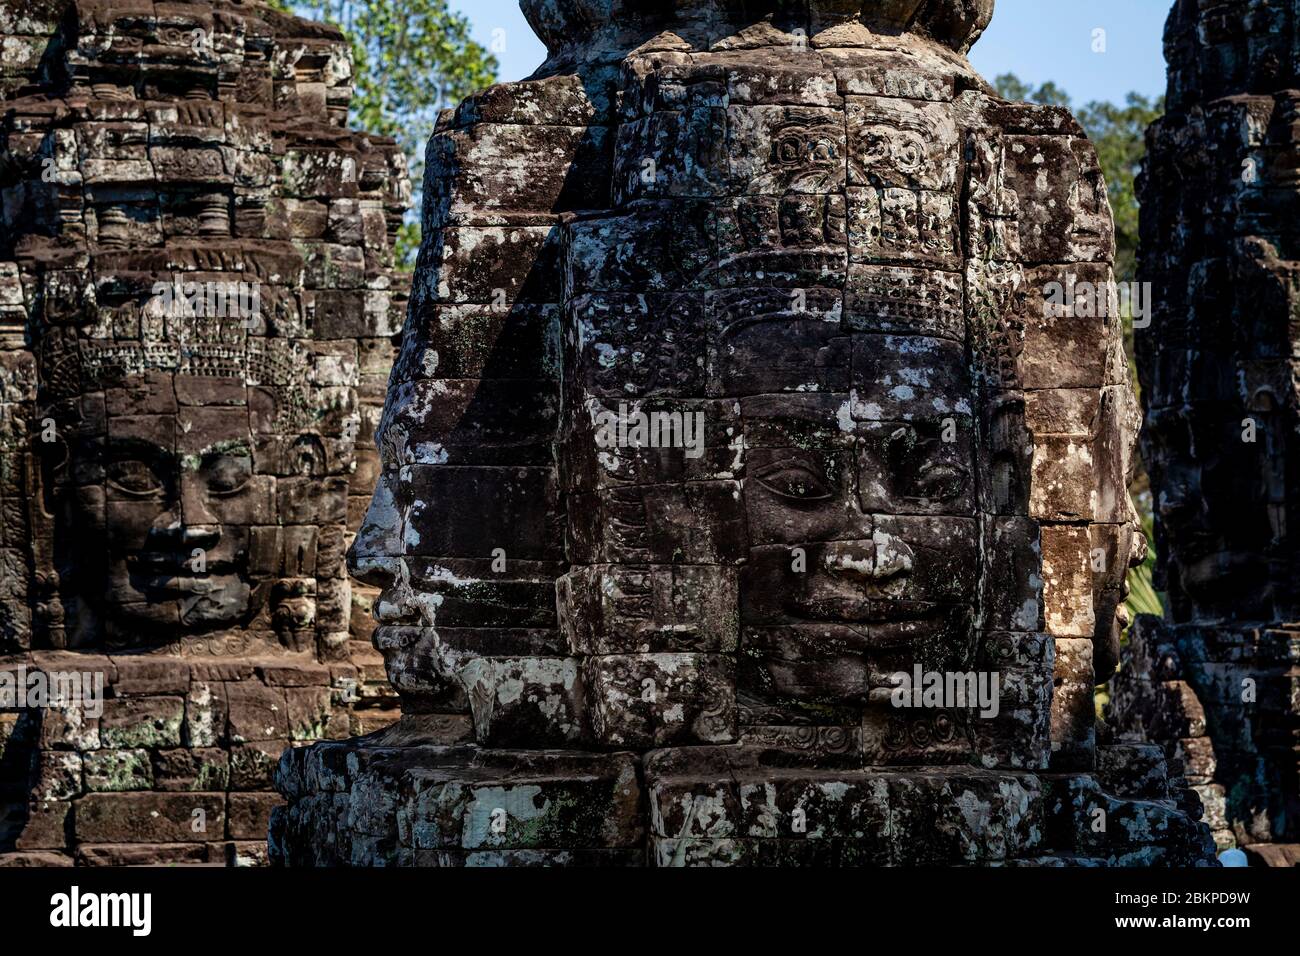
pixel 197 312
pixel 1218 682
pixel 729 402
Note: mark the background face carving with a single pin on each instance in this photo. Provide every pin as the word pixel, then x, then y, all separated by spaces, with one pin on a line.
pixel 204 332
pixel 169 516
pixel 162 501
pixel 1213 682
pixel 197 307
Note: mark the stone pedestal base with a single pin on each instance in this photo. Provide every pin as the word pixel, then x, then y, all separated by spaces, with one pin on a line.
pixel 370 802
pixel 381 801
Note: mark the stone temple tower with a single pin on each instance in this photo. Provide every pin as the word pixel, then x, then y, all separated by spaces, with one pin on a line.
pixel 197 302
pixel 729 418
pixel 1218 683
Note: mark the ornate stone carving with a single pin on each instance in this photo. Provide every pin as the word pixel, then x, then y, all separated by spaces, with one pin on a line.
pixel 1215 684
pixel 198 300
pixel 810 246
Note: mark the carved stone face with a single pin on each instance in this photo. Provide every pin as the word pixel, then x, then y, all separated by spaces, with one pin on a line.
pixel 859 498
pixel 188 504
pixel 1217 362
pixel 177 495
pixel 1212 502
pixel 857 410
pixel 786 263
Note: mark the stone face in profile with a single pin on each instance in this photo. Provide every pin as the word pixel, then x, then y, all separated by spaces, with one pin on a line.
pixel 1215 683
pixel 197 300
pixel 728 412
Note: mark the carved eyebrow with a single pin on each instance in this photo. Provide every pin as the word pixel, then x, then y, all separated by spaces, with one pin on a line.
pixel 128 444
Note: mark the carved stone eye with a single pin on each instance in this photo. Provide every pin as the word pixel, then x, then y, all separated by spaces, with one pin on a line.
pixel 920 471
pixel 134 477
pixel 790 149
pixel 941 481
pixel 909 152
pixel 794 481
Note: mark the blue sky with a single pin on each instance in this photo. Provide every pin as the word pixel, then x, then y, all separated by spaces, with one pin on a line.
pixel 1037 39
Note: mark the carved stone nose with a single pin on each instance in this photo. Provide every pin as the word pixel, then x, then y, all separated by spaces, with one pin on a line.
pixel 200 536
pixel 398 605
pixel 397 602
pixel 378 538
pixel 882 558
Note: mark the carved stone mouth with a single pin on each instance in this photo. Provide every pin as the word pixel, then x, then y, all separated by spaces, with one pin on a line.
pixel 180 564
pixel 170 574
pixel 182 586
pixel 874 611
pixel 1218 570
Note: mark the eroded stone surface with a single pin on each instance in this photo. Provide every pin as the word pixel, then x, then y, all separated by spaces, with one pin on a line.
pixel 819 252
pixel 197 300
pixel 1215 685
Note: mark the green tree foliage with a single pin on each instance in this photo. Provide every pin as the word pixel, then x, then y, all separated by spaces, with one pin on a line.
pixel 1119 135
pixel 411 59
pixel 1143 598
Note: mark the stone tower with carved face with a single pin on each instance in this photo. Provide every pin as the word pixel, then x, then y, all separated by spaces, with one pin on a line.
pixel 732 453
pixel 197 304
pixel 1218 682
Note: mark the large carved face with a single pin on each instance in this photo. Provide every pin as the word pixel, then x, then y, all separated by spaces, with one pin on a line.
pixel 860 492
pixel 173 523
pixel 859 500
pixel 1217 361
pixel 856 408
pixel 1220 407
pixel 186 504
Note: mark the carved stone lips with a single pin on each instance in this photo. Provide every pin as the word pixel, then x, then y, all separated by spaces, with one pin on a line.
pixel 862 609
pixel 174 573
pixel 184 585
